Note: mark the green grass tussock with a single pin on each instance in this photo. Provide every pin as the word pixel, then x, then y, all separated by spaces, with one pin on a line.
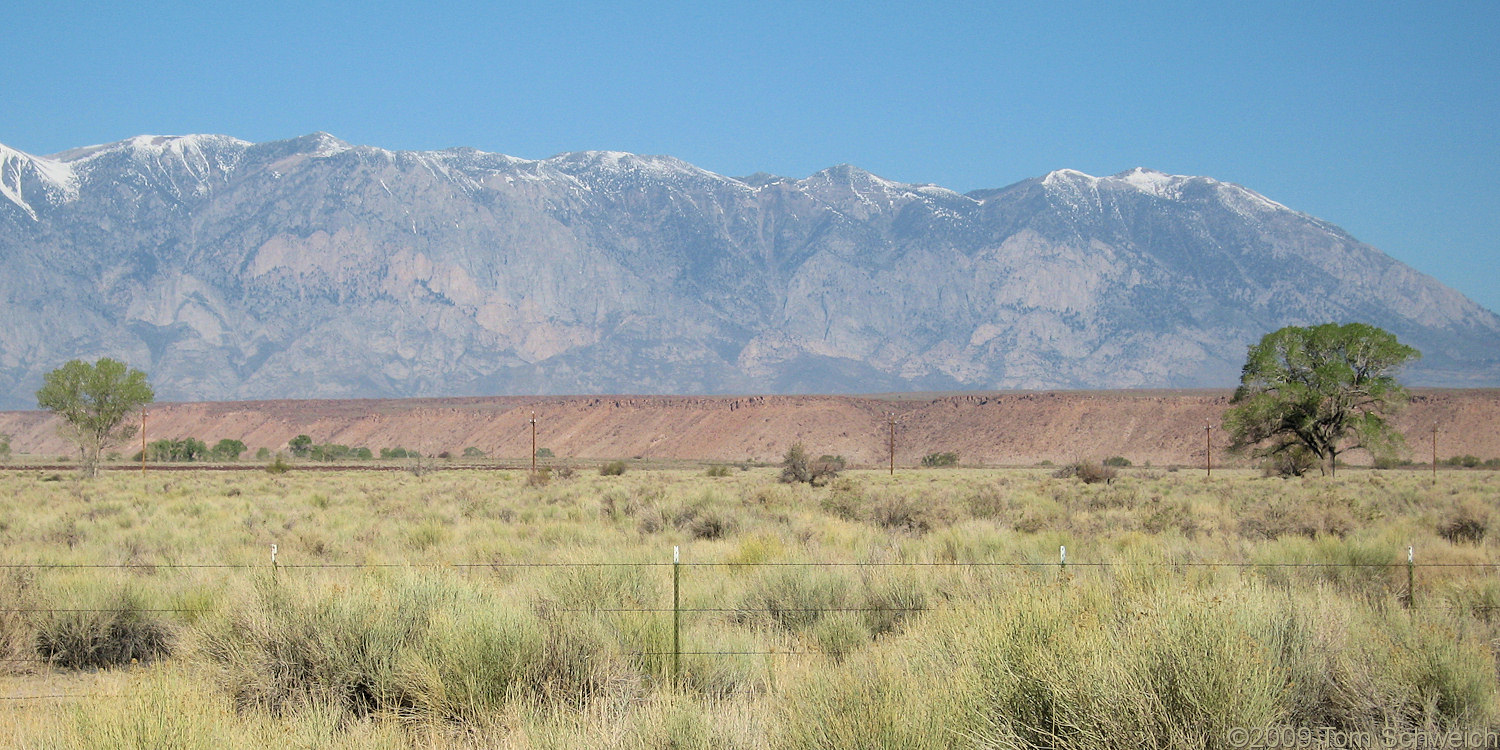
pixel 1088 667
pixel 416 645
pixel 477 610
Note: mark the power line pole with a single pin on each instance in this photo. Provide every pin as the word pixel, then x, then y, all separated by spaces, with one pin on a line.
pixel 890 418
pixel 533 442
pixel 143 441
pixel 1208 445
pixel 1434 452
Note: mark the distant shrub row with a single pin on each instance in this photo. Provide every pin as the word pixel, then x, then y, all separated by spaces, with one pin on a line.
pixel 935 460
pixel 192 449
pixel 1472 462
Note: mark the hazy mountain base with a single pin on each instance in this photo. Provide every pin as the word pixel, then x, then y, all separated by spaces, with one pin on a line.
pixel 1160 427
pixel 310 268
pixel 1145 652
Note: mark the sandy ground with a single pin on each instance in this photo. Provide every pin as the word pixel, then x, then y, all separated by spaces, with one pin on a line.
pixel 1163 427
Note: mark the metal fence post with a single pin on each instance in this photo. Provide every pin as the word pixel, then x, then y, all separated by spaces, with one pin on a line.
pixel 676 618
pixel 1411 578
pixel 273 562
pixel 1062 563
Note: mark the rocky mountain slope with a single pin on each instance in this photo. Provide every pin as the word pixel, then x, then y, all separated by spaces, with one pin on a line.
pixel 311 268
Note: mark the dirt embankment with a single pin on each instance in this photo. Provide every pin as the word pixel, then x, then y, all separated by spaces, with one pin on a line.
pixel 1163 427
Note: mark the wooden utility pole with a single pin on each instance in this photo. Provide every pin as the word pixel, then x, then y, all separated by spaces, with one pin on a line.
pixel 533 442
pixel 143 441
pixel 1434 452
pixel 1208 445
pixel 890 418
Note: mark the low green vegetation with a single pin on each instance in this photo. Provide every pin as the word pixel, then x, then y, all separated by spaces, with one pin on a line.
pixel 1472 462
pixel 189 450
pixel 1309 394
pixel 97 404
pixel 466 609
pixel 937 460
pixel 798 467
pixel 1089 472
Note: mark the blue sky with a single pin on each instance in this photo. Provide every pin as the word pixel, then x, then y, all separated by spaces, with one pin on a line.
pixel 1379 117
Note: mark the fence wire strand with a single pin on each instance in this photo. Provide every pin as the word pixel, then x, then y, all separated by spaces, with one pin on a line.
pixel 913 564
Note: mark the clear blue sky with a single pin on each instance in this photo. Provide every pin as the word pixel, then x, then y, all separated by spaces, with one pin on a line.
pixel 1380 117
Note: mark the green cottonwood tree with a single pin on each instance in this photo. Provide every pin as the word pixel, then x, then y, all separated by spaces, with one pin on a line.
pixel 1323 389
pixel 300 446
pixel 227 450
pixel 95 401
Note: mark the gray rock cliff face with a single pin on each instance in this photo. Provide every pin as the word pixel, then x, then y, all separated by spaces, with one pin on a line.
pixel 312 268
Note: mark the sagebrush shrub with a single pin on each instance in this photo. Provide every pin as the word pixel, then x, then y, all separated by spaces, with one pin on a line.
pixel 1465 523
pixel 119 632
pixel 1088 471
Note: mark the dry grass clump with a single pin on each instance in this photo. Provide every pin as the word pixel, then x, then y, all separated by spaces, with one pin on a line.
pixel 1089 471
pixel 414 645
pixel 798 467
pixel 1054 669
pixel 705 517
pixel 941 620
pixel 1465 523
pixel 1311 517
pixel 898 511
pixel 122 632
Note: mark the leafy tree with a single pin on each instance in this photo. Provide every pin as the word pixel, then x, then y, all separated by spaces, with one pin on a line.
pixel 186 449
pixel 262 454
pixel 796 467
pixel 362 453
pixel 228 450
pixel 329 452
pixel 4 447
pixel 944 458
pixel 300 446
pixel 95 403
pixel 1324 389
pixel 472 452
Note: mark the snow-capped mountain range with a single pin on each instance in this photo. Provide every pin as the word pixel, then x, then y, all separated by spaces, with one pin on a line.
pixel 312 268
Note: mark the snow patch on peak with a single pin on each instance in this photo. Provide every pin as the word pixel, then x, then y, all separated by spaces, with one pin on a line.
pixel 1152 182
pixel 1246 201
pixel 324 144
pixel 938 191
pixel 848 174
pixel 181 145
pixel 1068 177
pixel 21 174
pixel 154 147
pixel 654 166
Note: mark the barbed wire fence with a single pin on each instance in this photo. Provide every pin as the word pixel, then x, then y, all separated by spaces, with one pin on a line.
pixel 1061 567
